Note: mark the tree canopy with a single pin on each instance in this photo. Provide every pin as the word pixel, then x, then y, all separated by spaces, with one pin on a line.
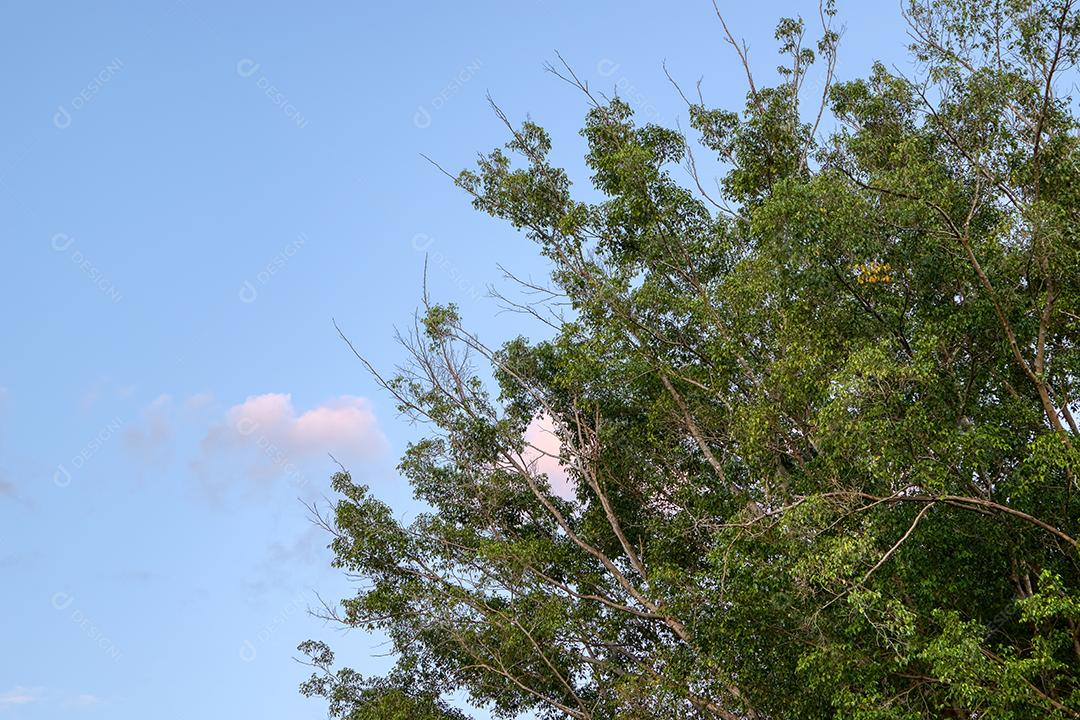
pixel 817 422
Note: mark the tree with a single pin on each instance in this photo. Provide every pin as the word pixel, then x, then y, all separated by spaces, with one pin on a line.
pixel 819 423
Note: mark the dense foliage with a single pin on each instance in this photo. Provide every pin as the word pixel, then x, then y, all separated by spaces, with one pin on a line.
pixel 818 423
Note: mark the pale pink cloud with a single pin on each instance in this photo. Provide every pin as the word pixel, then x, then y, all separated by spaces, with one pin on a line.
pixel 345 425
pixel 265 436
pixel 542 451
pixel 344 421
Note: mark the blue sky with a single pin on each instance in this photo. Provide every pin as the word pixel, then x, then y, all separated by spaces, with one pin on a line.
pixel 189 192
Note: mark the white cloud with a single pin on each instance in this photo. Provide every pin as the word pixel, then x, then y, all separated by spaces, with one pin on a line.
pixel 18 696
pixel 85 700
